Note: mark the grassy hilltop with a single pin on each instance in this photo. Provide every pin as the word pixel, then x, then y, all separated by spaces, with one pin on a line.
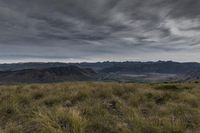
pixel 81 107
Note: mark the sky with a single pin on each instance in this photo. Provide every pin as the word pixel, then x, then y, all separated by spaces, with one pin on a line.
pixel 99 30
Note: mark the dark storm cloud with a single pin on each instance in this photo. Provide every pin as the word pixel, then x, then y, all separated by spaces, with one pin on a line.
pixel 99 29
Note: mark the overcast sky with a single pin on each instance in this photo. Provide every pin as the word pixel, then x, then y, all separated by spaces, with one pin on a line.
pixel 99 30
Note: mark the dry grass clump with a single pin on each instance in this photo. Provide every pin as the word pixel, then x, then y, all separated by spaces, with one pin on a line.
pixel 89 107
pixel 59 120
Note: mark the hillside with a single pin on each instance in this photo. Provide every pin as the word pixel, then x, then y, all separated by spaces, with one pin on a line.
pixel 167 67
pixel 107 67
pixel 151 72
pixel 193 75
pixel 81 107
pixel 23 66
pixel 55 74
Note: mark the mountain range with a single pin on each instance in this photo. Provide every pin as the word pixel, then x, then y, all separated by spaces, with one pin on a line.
pixel 46 75
pixel 101 71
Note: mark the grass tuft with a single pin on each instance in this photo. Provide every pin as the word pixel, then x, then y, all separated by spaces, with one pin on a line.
pixel 89 107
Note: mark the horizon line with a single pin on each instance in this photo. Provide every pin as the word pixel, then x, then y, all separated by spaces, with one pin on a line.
pixel 34 62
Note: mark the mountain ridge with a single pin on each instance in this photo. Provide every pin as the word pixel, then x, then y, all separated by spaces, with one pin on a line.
pixel 95 65
pixel 53 74
pixel 100 71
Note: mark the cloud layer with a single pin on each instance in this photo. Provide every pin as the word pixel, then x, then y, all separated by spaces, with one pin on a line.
pixel 98 30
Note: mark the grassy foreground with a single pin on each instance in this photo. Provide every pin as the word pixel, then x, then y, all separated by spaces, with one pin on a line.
pixel 100 108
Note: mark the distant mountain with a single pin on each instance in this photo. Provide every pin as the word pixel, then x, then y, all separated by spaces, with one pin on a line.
pixel 109 71
pixel 23 66
pixel 55 74
pixel 192 76
pixel 112 67
pixel 168 67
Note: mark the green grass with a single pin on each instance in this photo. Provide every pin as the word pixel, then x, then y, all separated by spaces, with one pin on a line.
pixel 84 107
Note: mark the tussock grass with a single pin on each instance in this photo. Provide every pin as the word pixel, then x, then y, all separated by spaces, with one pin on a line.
pixel 90 107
